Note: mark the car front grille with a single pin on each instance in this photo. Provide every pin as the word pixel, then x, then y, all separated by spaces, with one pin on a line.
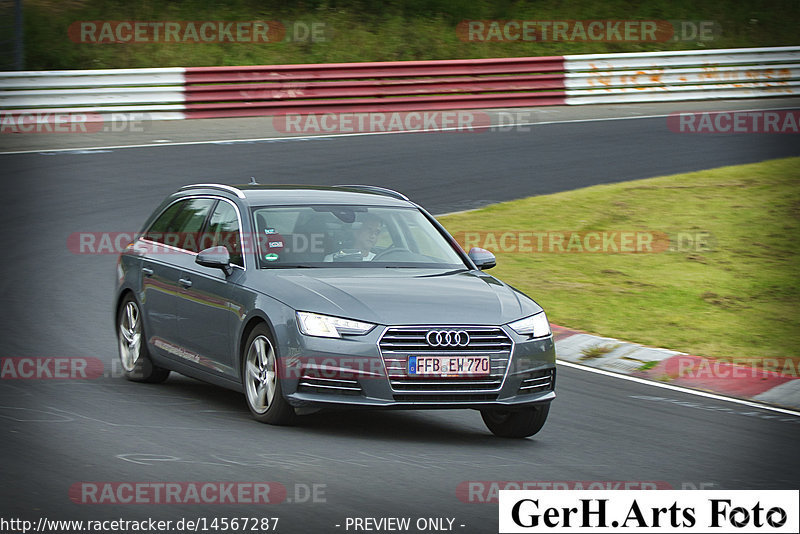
pixel 538 382
pixel 398 343
pixel 440 397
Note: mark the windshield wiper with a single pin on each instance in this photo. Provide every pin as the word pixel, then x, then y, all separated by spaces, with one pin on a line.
pixel 427 267
pixel 446 273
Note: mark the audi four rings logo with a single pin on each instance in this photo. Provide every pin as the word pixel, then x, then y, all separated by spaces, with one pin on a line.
pixel 447 338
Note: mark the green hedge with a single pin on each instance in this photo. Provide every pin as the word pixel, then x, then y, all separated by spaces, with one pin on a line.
pixel 378 30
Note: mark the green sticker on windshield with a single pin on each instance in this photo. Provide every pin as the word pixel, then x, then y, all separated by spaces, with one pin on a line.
pixel 270 257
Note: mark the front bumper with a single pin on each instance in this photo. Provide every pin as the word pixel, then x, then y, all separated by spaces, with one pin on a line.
pixel 319 372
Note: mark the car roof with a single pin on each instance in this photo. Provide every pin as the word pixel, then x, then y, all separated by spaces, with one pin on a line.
pixel 278 194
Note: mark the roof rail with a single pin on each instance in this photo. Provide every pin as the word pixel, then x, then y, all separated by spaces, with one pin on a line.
pixel 375 189
pixel 228 188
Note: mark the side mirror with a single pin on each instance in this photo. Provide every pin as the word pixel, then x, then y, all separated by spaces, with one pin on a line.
pixel 482 258
pixel 215 257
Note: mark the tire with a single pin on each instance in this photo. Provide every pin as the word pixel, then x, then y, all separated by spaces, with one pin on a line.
pixel 133 354
pixel 261 380
pixel 510 423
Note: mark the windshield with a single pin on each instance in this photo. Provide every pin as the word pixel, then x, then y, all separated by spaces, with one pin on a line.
pixel 349 236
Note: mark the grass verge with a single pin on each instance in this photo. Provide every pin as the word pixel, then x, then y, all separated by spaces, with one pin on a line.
pixel 725 286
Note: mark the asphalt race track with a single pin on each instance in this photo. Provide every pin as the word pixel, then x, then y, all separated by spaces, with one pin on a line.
pixel 55 434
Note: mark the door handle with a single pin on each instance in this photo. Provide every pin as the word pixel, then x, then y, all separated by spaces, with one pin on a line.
pixel 185 282
pixel 147 271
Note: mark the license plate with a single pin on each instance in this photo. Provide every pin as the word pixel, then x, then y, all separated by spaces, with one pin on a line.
pixel 449 365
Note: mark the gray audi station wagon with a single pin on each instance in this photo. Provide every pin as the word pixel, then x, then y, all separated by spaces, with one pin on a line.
pixel 307 297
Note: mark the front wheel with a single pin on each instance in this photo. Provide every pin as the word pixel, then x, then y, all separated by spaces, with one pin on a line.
pixel 133 354
pixel 262 384
pixel 515 423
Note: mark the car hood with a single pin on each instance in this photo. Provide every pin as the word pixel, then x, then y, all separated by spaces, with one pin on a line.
pixel 399 296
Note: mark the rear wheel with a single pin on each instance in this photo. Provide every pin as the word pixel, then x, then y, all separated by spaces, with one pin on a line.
pixel 262 384
pixel 133 354
pixel 520 423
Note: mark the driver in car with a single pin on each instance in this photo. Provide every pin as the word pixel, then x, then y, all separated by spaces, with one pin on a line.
pixel 365 236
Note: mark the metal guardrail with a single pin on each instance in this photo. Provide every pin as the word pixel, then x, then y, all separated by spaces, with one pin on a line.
pixel 153 93
pixel 382 86
pixel 682 75
pixel 409 85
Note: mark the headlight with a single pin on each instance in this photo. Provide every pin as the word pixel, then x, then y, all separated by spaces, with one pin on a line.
pixel 314 324
pixel 535 325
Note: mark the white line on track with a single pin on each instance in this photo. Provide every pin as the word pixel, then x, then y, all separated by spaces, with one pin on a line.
pixel 679 388
pixel 159 143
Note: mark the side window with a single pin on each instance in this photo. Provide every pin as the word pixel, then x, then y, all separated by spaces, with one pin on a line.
pixel 159 227
pixel 223 229
pixel 180 224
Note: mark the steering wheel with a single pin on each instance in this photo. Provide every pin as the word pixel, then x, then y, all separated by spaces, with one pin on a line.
pixel 393 251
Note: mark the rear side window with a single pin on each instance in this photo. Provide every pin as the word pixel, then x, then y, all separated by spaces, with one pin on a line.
pixel 181 223
pixel 223 229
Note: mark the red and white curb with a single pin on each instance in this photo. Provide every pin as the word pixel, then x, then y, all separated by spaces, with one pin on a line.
pixel 780 387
